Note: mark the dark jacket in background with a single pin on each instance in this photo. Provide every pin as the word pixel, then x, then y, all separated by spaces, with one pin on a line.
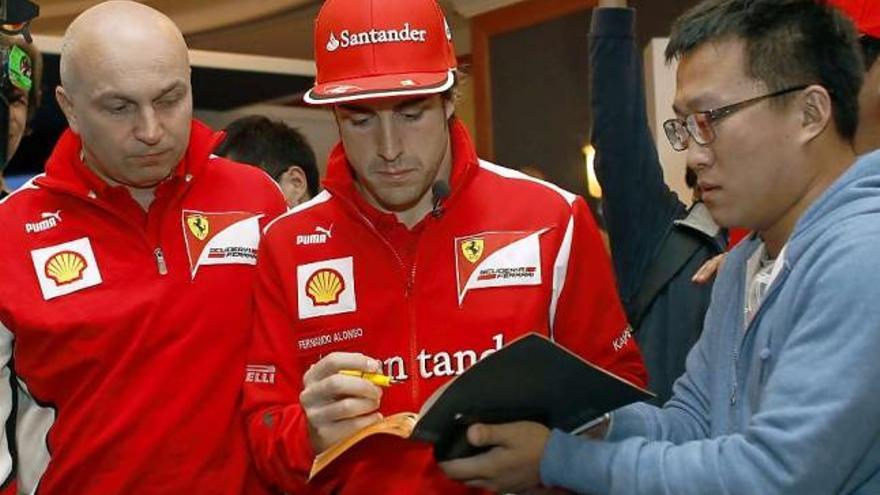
pixel 657 244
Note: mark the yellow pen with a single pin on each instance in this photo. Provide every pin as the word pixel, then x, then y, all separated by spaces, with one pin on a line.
pixel 374 378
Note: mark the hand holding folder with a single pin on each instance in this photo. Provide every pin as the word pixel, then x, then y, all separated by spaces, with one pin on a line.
pixel 531 379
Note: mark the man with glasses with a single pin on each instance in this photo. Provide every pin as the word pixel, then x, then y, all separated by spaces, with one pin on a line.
pixel 866 15
pixel 780 392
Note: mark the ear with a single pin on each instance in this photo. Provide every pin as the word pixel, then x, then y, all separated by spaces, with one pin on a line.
pixel 295 185
pixel 816 112
pixel 66 104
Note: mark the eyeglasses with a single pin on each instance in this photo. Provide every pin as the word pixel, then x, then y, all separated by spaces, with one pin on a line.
pixel 699 125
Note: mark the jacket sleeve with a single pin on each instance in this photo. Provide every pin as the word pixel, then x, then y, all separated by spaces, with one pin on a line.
pixel 685 417
pixel 275 423
pixel 585 311
pixel 639 208
pixel 810 429
pixel 7 412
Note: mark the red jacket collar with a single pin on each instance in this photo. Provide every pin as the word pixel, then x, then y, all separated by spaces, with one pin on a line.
pixel 341 182
pixel 66 170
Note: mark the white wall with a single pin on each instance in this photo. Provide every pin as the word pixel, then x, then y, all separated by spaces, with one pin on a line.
pixel 660 92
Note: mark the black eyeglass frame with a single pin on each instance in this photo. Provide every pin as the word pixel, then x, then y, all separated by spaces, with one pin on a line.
pixel 714 115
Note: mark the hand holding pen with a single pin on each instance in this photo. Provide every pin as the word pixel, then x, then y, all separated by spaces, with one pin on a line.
pixel 338 404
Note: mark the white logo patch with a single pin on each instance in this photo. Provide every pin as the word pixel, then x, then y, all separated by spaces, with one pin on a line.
pixel 66 268
pixel 223 238
pixel 512 260
pixel 236 245
pixel 326 288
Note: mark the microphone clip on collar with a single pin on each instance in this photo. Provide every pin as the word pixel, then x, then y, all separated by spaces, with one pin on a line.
pixel 440 191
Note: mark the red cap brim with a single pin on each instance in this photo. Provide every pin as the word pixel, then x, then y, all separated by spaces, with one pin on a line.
pixel 384 86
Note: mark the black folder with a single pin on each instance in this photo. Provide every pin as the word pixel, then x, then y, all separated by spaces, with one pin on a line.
pixel 530 379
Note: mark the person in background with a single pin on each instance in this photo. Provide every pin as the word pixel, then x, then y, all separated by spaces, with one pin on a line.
pixel 126 296
pixel 417 259
pixel 280 150
pixel 657 243
pixel 866 15
pixel 22 102
pixel 779 393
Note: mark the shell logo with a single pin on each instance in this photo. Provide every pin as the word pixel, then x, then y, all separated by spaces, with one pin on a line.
pixel 324 287
pixel 65 267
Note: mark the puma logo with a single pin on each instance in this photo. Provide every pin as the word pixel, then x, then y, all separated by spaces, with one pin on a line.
pixel 321 236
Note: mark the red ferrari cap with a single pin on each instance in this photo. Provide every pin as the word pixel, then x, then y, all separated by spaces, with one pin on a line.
pixel 864 13
pixel 366 49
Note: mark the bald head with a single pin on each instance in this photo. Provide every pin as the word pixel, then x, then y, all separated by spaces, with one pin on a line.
pixel 126 91
pixel 120 35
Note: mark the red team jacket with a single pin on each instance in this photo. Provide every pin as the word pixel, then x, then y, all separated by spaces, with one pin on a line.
pixel 126 332
pixel 506 255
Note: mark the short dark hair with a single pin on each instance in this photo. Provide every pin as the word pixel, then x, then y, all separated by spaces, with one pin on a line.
pixel 870 49
pixel 788 42
pixel 271 145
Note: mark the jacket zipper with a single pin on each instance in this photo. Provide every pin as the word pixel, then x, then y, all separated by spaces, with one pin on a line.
pixel 408 292
pixel 411 305
pixel 742 341
pixel 158 254
pixel 160 261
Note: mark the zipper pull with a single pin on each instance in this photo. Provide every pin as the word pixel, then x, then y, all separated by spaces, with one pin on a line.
pixel 160 261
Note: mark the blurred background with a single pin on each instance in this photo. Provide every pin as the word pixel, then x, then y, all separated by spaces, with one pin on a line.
pixel 525 99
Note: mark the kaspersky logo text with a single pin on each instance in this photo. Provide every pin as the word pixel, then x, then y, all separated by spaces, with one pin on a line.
pixel 348 39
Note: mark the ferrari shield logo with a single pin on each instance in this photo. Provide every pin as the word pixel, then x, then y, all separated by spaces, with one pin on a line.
pixel 472 249
pixel 198 225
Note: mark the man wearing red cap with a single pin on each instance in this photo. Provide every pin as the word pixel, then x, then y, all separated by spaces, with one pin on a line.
pixel 417 260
